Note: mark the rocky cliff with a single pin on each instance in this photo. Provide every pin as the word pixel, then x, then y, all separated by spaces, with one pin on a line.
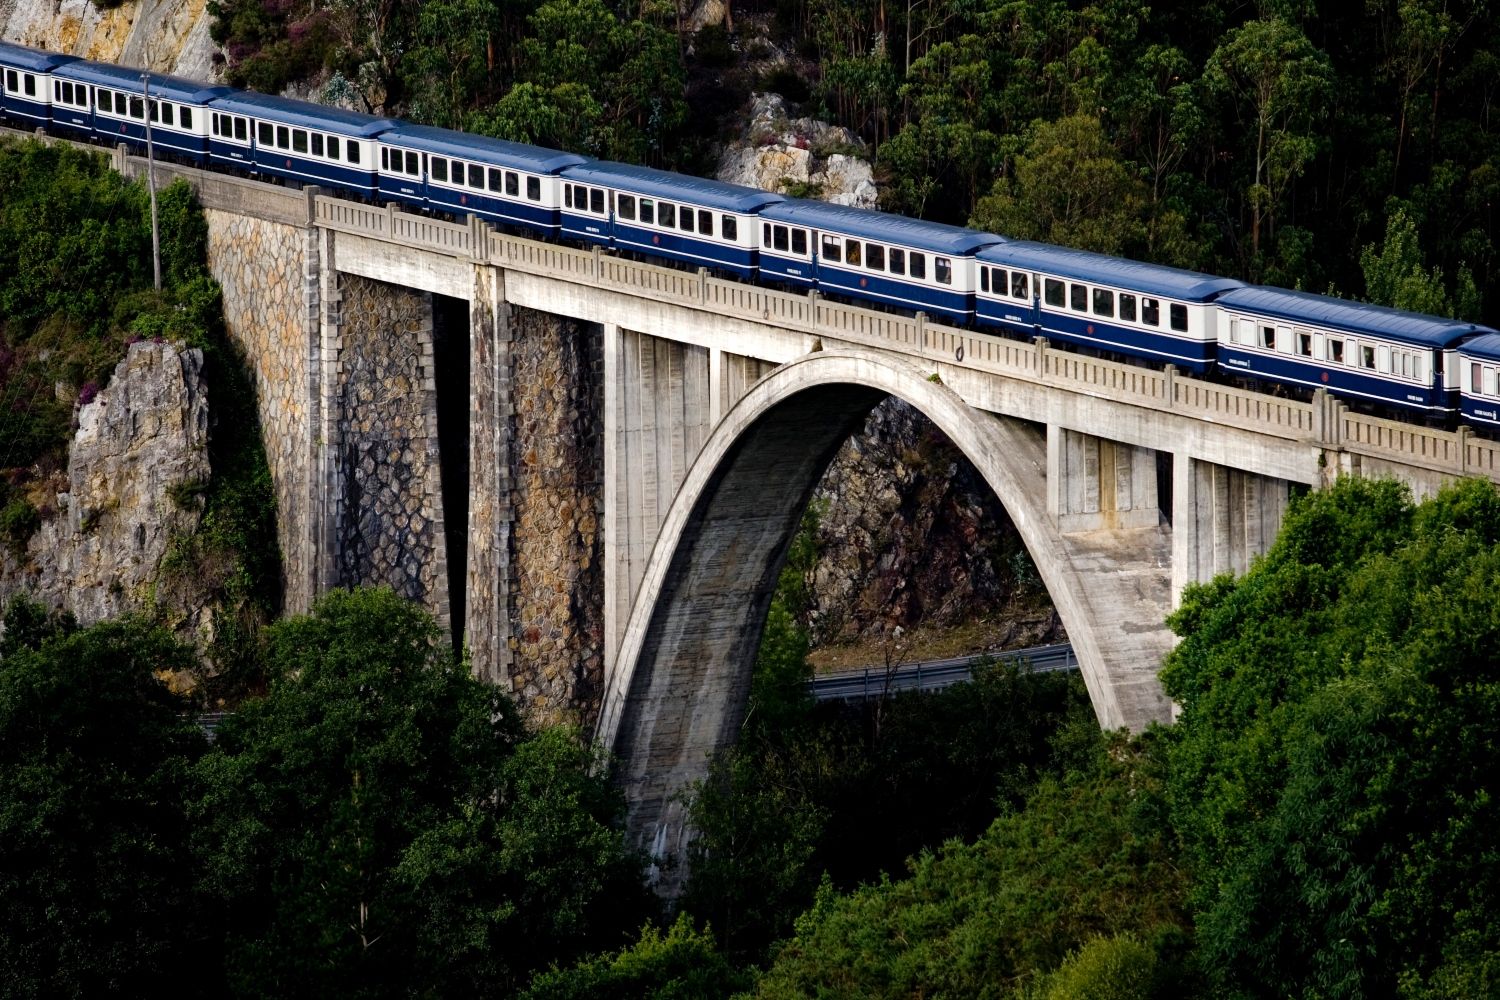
pixel 136 468
pixel 169 36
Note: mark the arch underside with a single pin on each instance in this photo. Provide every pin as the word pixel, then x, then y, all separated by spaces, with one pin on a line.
pixel 681 681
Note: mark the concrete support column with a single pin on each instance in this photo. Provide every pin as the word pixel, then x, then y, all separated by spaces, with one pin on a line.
pixel 325 482
pixel 658 411
pixel 1222 519
pixel 491 573
pixel 1094 483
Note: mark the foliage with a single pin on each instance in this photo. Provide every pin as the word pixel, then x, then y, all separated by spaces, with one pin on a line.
pixel 681 964
pixel 1087 856
pixel 1396 276
pixel 93 755
pixel 1330 770
pixel 381 818
pixel 1113 968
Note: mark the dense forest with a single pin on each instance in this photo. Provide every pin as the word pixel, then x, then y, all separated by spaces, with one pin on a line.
pixel 1347 148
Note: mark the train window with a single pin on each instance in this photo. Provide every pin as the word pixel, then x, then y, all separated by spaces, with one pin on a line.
pixel 534 188
pixel 666 214
pixel 105 101
pixel 898 261
pixel 1304 343
pixel 1150 312
pixel 496 179
pixel 11 83
pixel 706 224
pixel 832 249
pixel 317 143
pixel 1366 356
pixel 456 169
pixel 59 89
pixel 411 165
pixel 685 218
pixel 851 253
pixel 918 262
pixel 729 228
pixel 799 242
pixel 439 169
pixel 242 133
pixel 625 205
pixel 875 256
pixel 648 211
pixel 779 237
pixel 567 196
pixel 1406 364
pixel 1336 351
pixel 1104 302
pixel 1127 306
pixel 299 140
pixel 988 275
pixel 984 279
pixel 185 116
pixel 352 151
pixel 1052 292
pixel 138 108
pixel 1020 285
pixel 942 270
pixel 263 133
pixel 1268 337
pixel 213 124
pixel 29 82
pixel 155 110
pixel 476 176
pixel 1178 317
pixel 1474 377
pixel 284 139
pixel 512 183
pixel 1078 298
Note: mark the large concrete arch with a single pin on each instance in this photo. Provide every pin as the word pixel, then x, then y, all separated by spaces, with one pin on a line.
pixel 681 680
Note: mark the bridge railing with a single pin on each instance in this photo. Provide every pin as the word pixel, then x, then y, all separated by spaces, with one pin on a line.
pixel 1321 422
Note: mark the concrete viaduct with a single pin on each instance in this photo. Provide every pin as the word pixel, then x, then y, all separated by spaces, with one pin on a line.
pixel 719 405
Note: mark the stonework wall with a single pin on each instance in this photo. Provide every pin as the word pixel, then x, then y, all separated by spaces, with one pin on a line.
pixel 557 604
pixel 270 312
pixel 389 520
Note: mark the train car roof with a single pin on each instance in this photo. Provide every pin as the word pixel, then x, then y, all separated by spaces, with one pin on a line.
pixel 306 114
pixel 867 224
pixel 673 187
pixel 171 88
pixel 536 159
pixel 1157 279
pixel 1486 346
pixel 35 60
pixel 1353 317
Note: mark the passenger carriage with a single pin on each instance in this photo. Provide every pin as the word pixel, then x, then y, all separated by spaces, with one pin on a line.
pixel 921 266
pixel 1353 349
pixel 1479 381
pixel 296 140
pixel 109 103
pixel 26 85
pixel 692 219
pixel 506 182
pixel 1108 303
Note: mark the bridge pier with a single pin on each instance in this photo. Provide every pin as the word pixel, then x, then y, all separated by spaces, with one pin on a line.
pixel 1222 519
pixel 1094 483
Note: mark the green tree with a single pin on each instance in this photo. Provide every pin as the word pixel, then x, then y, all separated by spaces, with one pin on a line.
pixel 682 964
pixel 381 823
pixel 1330 767
pixel 1278 84
pixel 1396 276
pixel 94 752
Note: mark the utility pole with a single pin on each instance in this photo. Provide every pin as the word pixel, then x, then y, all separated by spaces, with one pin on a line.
pixel 151 186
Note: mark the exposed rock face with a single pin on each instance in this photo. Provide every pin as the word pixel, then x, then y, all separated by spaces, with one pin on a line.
pixel 911 535
pixel 780 152
pixel 558 609
pixel 169 36
pixel 102 554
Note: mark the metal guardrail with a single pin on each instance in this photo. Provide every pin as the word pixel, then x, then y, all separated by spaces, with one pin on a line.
pixel 933 675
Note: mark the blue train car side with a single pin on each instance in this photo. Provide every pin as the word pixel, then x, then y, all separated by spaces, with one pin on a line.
pixel 26 84
pixel 1361 351
pixel 921 266
pixel 698 221
pixel 1108 303
pixel 509 183
pixel 296 140
pixel 1479 381
pixel 109 103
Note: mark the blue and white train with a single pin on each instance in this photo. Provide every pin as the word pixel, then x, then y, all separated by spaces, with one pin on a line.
pixel 1404 363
